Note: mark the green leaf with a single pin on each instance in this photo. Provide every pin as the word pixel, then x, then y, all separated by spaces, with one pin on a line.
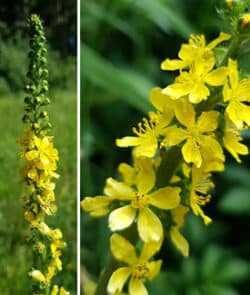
pixel 164 16
pixel 237 174
pixel 236 201
pixel 210 263
pixel 233 270
pixel 126 85
pixel 100 14
pixel 219 290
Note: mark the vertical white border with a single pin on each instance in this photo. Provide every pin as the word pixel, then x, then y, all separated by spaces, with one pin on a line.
pixel 78 151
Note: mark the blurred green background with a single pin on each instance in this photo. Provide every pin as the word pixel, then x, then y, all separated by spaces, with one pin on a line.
pixel 59 18
pixel 122 45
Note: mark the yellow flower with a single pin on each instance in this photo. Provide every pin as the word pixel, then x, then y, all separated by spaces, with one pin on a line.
pixel 229 3
pixel 197 133
pixel 137 269
pixel 193 82
pixel 196 48
pixel 177 238
pixel 44 155
pixel 148 132
pixel 245 19
pixel 37 275
pixel 200 186
pixel 63 292
pixel 97 206
pixel 55 290
pixel 141 197
pixel 231 141
pixel 236 93
pixel 142 165
pixel 163 104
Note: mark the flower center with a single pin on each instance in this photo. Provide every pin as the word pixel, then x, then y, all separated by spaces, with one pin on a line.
pixel 140 271
pixel 140 201
pixel 147 126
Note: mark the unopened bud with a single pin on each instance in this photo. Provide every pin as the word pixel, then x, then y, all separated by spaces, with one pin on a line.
pixel 35 126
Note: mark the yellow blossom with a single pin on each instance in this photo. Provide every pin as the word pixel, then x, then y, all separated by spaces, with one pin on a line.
pixel 137 269
pixel 245 20
pixel 199 196
pixel 177 238
pixel 44 155
pixel 148 132
pixel 197 134
pixel 193 83
pixel 231 141
pixel 196 48
pixel 141 197
pixel 236 94
pixel 97 206
pixel 37 275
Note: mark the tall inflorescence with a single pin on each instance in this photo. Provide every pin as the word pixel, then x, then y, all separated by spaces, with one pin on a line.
pixel 39 170
pixel 175 152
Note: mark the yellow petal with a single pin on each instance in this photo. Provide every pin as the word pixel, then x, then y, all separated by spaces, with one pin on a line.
pixel 154 269
pixel 222 37
pixel 207 121
pixel 191 153
pixel 97 206
pixel 146 175
pixel 243 90
pixel 149 250
pixel 166 198
pixel 149 226
pixel 233 73
pixel 174 135
pixel 210 147
pixel 236 113
pixel 227 92
pixel 118 190
pixel 173 64
pixel 187 54
pixel 180 242
pixel 178 215
pixel 128 141
pixel 147 148
pixel 235 148
pixel 122 249
pixel 118 279
pixel 182 86
pixel 121 218
pixel 198 93
pixel 216 77
pixel 158 100
pixel 32 155
pixel 136 287
pixel 185 113
pixel 128 173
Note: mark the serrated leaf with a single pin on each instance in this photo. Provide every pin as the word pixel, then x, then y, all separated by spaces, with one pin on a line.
pixel 236 201
pixel 126 85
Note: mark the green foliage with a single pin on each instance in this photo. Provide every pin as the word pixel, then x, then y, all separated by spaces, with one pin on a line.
pixel 15 258
pixel 14 62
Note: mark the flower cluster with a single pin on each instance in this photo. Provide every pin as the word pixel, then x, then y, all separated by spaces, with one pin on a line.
pixel 175 152
pixel 39 170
